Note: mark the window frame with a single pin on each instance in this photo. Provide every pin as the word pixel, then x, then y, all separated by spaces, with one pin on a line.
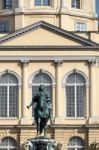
pixel 42 3
pixel 7 145
pixel 7 4
pixel 76 146
pixel 76 4
pixel 6 26
pixel 8 85
pixel 75 85
pixel 80 26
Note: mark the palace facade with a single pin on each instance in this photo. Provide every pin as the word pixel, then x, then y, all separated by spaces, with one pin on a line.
pixel 54 43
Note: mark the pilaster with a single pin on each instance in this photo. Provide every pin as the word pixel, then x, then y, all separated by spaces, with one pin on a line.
pixel 58 93
pixel 93 99
pixel 26 118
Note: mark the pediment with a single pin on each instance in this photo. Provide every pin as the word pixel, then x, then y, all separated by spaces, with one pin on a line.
pixel 42 33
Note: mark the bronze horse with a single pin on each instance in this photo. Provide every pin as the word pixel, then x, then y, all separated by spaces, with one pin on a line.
pixel 42 109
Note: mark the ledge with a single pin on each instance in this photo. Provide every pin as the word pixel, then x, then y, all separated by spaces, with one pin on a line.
pixel 59 126
pixel 49 48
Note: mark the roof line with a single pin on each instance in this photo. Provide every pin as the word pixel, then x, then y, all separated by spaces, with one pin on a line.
pixel 50 27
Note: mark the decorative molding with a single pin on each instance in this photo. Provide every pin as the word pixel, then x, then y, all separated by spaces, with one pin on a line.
pixel 58 62
pixel 14 73
pixel 43 71
pixel 94 62
pixel 76 71
pixel 49 48
pixel 48 58
pixel 25 62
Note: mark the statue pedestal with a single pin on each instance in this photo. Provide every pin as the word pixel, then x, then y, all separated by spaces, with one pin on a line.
pixel 41 143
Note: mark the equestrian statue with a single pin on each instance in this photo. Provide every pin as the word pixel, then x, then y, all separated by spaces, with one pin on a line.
pixel 42 109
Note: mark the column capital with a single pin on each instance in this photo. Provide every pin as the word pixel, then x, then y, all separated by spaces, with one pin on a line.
pixel 25 62
pixel 58 62
pixel 94 62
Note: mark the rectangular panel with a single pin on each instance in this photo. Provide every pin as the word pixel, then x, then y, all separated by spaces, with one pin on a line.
pixel 3 101
pixel 13 101
pixel 70 99
pixel 81 96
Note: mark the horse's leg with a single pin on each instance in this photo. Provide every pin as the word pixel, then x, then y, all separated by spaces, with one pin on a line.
pixel 45 135
pixel 39 124
pixel 45 123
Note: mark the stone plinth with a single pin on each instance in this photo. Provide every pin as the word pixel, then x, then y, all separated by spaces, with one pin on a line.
pixel 41 143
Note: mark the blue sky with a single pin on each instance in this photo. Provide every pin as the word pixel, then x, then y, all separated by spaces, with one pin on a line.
pixel 97 6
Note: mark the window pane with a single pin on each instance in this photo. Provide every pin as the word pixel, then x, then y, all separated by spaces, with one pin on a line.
pixel 76 3
pixel 41 2
pixel 38 2
pixel 70 101
pixel 4 27
pixel 13 95
pixel 76 95
pixel 8 78
pixel 42 78
pixel 79 26
pixel 8 95
pixel 8 143
pixel 81 101
pixel 76 143
pixel 45 2
pixel 3 101
pixel 7 4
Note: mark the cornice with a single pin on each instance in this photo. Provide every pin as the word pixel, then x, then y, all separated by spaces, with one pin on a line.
pixel 48 12
pixel 49 48
pixel 49 58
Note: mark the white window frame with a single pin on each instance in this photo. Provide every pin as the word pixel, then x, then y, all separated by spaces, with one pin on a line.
pixel 75 93
pixel 75 146
pixel 8 147
pixel 80 26
pixel 8 85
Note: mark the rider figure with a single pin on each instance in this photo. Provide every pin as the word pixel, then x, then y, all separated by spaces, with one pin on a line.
pixel 39 111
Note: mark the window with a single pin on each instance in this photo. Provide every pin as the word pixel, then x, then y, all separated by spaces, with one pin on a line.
pixel 42 3
pixel 76 143
pixel 8 95
pixel 75 95
pixel 8 143
pixel 7 4
pixel 76 4
pixel 4 26
pixel 42 79
pixel 79 26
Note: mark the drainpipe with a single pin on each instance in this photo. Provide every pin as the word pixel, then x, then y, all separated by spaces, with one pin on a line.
pixel 60 13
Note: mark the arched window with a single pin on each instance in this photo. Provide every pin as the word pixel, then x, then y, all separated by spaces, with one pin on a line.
pixel 42 79
pixel 76 143
pixel 75 95
pixel 8 95
pixel 42 2
pixel 8 143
